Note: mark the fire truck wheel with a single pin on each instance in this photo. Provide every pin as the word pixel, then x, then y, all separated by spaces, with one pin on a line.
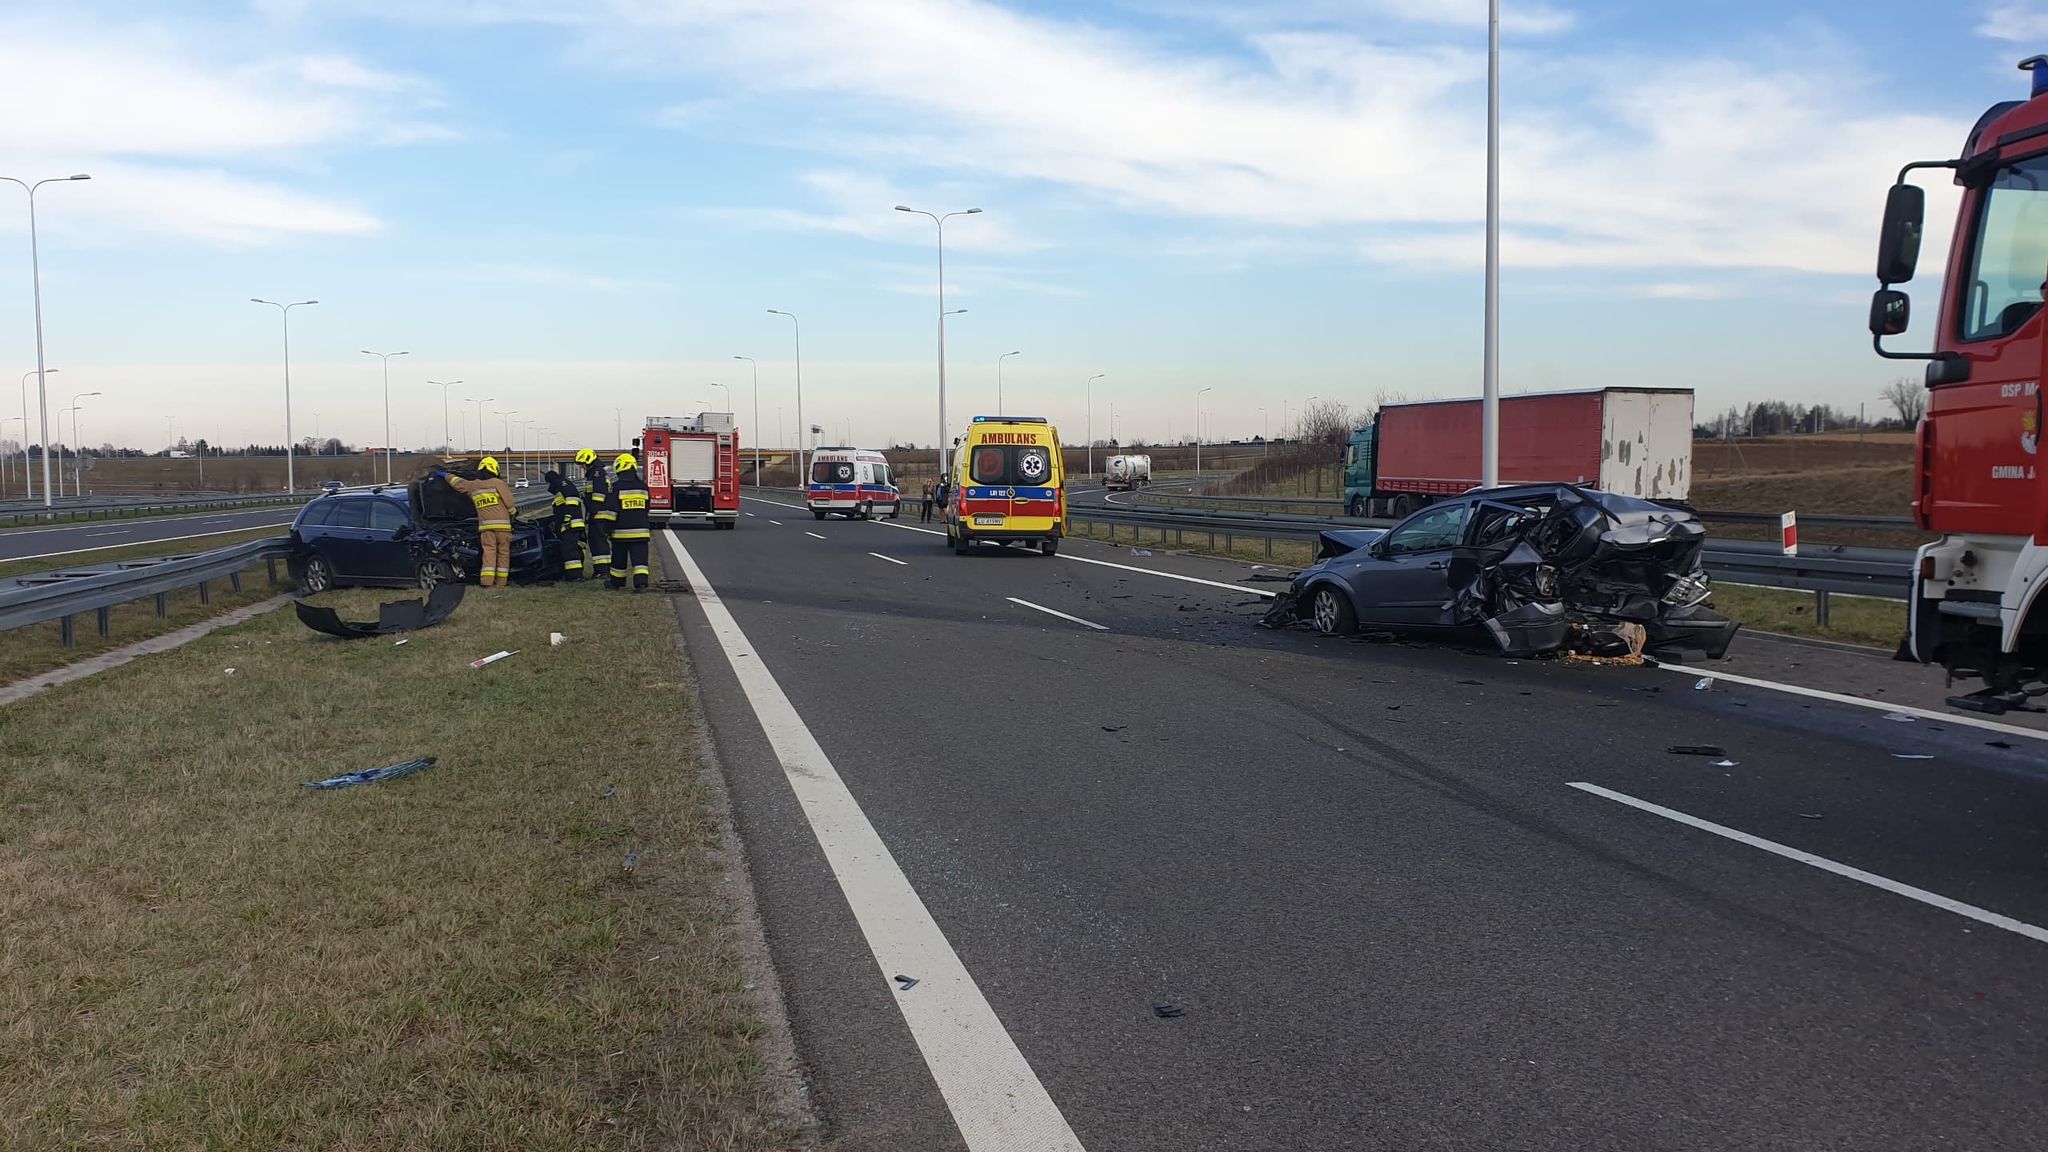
pixel 818 513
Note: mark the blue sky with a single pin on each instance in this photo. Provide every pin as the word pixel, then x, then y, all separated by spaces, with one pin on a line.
pixel 578 206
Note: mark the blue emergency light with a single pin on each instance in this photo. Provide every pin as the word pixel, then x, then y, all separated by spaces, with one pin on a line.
pixel 2038 65
pixel 1027 419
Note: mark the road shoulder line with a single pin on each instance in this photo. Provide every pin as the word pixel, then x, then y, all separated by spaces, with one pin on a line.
pixel 996 1100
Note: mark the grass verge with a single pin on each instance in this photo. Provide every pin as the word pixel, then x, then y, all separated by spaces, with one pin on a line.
pixel 196 952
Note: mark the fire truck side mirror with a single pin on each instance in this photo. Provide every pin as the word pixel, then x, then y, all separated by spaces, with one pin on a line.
pixel 1890 311
pixel 1898 244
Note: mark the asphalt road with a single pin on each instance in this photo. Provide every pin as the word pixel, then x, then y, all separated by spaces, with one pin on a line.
pixel 67 539
pixel 1363 871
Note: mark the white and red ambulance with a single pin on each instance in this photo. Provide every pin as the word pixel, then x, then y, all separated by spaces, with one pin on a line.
pixel 853 482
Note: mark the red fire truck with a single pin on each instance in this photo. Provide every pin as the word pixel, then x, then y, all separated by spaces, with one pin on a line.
pixel 693 468
pixel 1976 604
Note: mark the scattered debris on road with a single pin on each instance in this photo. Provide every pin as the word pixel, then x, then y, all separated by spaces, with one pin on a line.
pixel 1911 756
pixel 1697 750
pixel 632 861
pixel 907 982
pixel 493 658
pixel 556 639
pixel 1167 1011
pixel 1901 718
pixel 396 616
pixel 372 775
pixel 1703 684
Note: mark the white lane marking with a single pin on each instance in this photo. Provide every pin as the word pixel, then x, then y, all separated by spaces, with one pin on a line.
pixel 890 559
pixel 814 535
pixel 1860 702
pixel 1058 613
pixel 96 535
pixel 148 540
pixel 1086 560
pixel 777 523
pixel 996 1099
pixel 1980 915
pixel 750 514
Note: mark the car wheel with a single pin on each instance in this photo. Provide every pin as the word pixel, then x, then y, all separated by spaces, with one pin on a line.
pixel 960 544
pixel 1050 546
pixel 1358 507
pixel 1331 612
pixel 433 573
pixel 319 575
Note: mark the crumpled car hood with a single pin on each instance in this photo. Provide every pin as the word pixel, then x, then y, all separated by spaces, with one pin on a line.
pixel 1579 575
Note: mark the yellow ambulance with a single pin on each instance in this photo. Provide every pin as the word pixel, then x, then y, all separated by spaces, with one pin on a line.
pixel 1008 485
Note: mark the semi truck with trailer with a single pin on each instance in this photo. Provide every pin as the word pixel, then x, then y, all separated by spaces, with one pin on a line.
pixel 1634 441
pixel 692 469
pixel 1975 604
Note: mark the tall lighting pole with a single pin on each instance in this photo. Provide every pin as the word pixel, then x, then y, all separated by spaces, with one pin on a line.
pixel 1090 393
pixel 77 456
pixel 728 394
pixel 999 378
pixel 291 483
pixel 756 429
pixel 26 473
pixel 386 358
pixel 803 469
pixel 480 402
pixel 444 385
pixel 507 414
pixel 35 265
pixel 1489 403
pixel 940 221
pixel 1198 434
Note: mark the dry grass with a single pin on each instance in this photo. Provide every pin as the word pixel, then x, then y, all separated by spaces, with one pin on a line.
pixel 1851 619
pixel 195 952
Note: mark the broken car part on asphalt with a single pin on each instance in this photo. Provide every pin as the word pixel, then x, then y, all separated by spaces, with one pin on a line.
pixel 1538 568
pixel 396 616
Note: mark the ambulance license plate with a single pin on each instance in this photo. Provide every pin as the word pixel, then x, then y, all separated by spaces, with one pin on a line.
pixel 988 521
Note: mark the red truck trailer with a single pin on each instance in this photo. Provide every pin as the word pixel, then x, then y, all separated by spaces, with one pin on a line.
pixel 1635 441
pixel 1976 605
pixel 693 468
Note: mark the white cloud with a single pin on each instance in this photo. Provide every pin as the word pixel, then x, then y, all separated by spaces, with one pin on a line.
pixel 2020 21
pixel 1688 292
pixel 1643 161
pixel 171 136
pixel 549 276
pixel 860 204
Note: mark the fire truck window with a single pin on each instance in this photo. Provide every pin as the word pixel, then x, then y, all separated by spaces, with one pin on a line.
pixel 2009 260
pixel 990 465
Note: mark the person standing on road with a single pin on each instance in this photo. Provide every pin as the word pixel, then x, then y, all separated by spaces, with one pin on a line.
pixel 630 533
pixel 599 510
pixel 926 515
pixel 569 522
pixel 493 500
pixel 945 495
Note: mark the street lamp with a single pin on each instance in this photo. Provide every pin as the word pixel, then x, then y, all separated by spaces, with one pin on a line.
pixel 756 429
pixel 28 475
pixel 35 265
pixel 480 402
pixel 291 483
pixel 803 469
pixel 728 394
pixel 507 415
pixel 1489 402
pixel 77 452
pixel 940 221
pixel 1090 393
pixel 999 379
pixel 23 421
pixel 444 385
pixel 386 358
pixel 1198 434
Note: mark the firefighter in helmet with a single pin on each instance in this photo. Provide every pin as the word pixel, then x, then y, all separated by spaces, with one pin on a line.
pixel 599 510
pixel 493 500
pixel 630 534
pixel 569 522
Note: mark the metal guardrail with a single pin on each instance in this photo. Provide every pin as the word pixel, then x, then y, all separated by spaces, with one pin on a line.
pixel 1818 520
pixel 1820 569
pixel 64 595
pixel 24 511
pixel 67 593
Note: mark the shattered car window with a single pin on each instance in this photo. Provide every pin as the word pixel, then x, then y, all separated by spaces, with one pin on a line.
pixel 1432 531
pixel 1499 523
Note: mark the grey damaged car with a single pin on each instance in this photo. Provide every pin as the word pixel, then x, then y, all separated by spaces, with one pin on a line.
pixel 1537 569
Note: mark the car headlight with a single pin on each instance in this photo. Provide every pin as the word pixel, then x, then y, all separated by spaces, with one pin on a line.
pixel 1689 590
